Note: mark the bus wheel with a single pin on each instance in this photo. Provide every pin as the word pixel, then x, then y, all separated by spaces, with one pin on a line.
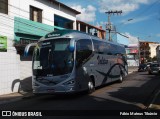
pixel 121 79
pixel 91 87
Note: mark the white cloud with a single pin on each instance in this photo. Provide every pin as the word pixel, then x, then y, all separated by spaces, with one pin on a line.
pixel 125 5
pixel 87 14
pixel 132 39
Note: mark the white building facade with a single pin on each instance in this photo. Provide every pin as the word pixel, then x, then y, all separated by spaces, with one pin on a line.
pixel 153 47
pixel 22 22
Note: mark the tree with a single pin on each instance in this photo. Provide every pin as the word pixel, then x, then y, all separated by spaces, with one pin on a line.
pixel 154 58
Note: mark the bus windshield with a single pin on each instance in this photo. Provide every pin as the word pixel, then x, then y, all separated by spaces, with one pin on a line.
pixel 52 58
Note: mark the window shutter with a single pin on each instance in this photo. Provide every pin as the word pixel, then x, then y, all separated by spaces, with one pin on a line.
pixel 31 13
pixel 40 16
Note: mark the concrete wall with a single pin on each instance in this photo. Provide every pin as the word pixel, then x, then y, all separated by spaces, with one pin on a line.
pixel 7 29
pixel 9 72
pixel 21 8
pixel 133 62
pixel 26 75
pixel 14 72
pixel 9 61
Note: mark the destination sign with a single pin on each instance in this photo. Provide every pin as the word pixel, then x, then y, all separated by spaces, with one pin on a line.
pixel 53 35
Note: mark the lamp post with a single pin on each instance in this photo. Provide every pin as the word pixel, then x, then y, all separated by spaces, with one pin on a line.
pixel 139 55
pixel 139 50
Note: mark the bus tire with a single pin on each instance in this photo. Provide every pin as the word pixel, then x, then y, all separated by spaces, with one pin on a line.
pixel 121 78
pixel 91 87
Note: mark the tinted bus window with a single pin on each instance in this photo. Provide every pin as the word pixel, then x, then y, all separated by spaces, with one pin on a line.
pixel 83 50
pixel 99 47
pixel 108 49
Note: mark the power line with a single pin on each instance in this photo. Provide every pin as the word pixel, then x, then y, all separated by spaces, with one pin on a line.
pixel 144 11
pixel 148 8
pixel 137 32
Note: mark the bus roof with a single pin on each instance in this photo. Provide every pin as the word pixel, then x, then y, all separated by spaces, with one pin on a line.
pixel 65 33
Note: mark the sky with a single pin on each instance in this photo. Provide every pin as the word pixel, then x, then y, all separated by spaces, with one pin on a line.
pixel 140 19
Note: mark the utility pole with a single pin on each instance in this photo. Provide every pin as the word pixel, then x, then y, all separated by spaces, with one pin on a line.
pixel 139 50
pixel 108 26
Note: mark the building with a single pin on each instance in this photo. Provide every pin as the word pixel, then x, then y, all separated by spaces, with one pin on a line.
pixel 147 50
pixel 23 18
pixel 132 53
pixel 90 29
pixel 153 47
pixel 158 53
pixel 23 22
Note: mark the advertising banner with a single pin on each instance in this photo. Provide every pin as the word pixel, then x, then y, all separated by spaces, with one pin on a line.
pixel 3 44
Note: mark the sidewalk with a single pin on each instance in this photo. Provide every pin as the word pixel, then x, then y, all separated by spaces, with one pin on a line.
pixel 132 69
pixel 14 97
pixel 155 104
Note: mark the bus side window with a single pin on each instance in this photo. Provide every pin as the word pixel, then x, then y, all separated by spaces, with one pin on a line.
pixel 116 50
pixel 110 49
pixel 113 49
pixel 83 50
pixel 107 49
pixel 99 47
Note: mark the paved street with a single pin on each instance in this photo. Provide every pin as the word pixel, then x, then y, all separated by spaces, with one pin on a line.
pixel 135 93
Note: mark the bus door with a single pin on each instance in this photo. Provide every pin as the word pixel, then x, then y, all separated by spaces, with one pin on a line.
pixel 114 63
pixel 116 68
pixel 83 55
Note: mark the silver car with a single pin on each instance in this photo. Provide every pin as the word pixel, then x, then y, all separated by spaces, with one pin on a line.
pixel 154 68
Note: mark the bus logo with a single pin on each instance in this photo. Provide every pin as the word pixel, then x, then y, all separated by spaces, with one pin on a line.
pixel 53 35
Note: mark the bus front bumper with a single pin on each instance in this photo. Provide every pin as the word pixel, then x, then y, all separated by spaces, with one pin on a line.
pixel 53 90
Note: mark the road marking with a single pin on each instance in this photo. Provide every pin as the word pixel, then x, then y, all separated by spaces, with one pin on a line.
pixel 152 102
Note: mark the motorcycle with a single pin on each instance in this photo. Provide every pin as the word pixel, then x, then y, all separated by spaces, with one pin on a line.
pixel 142 67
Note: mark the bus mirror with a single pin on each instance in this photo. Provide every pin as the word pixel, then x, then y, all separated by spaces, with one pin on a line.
pixel 71 49
pixel 71 46
pixel 27 48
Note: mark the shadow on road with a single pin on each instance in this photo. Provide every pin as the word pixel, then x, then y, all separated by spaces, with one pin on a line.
pixel 108 103
pixel 139 94
pixel 25 85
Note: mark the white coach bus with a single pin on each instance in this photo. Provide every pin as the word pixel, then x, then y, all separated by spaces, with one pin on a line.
pixel 68 61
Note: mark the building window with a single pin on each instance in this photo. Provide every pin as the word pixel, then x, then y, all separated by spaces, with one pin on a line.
pixel 4 6
pixel 63 22
pixel 35 14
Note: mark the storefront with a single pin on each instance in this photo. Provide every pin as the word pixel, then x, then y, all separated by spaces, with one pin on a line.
pixel 27 31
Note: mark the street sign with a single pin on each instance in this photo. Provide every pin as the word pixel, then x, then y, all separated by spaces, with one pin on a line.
pixel 3 44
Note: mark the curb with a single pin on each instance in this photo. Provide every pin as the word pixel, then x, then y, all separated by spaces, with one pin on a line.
pixel 14 97
pixel 10 98
pixel 152 105
pixel 154 98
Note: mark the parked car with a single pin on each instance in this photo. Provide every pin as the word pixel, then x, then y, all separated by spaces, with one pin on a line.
pixel 154 68
pixel 148 65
